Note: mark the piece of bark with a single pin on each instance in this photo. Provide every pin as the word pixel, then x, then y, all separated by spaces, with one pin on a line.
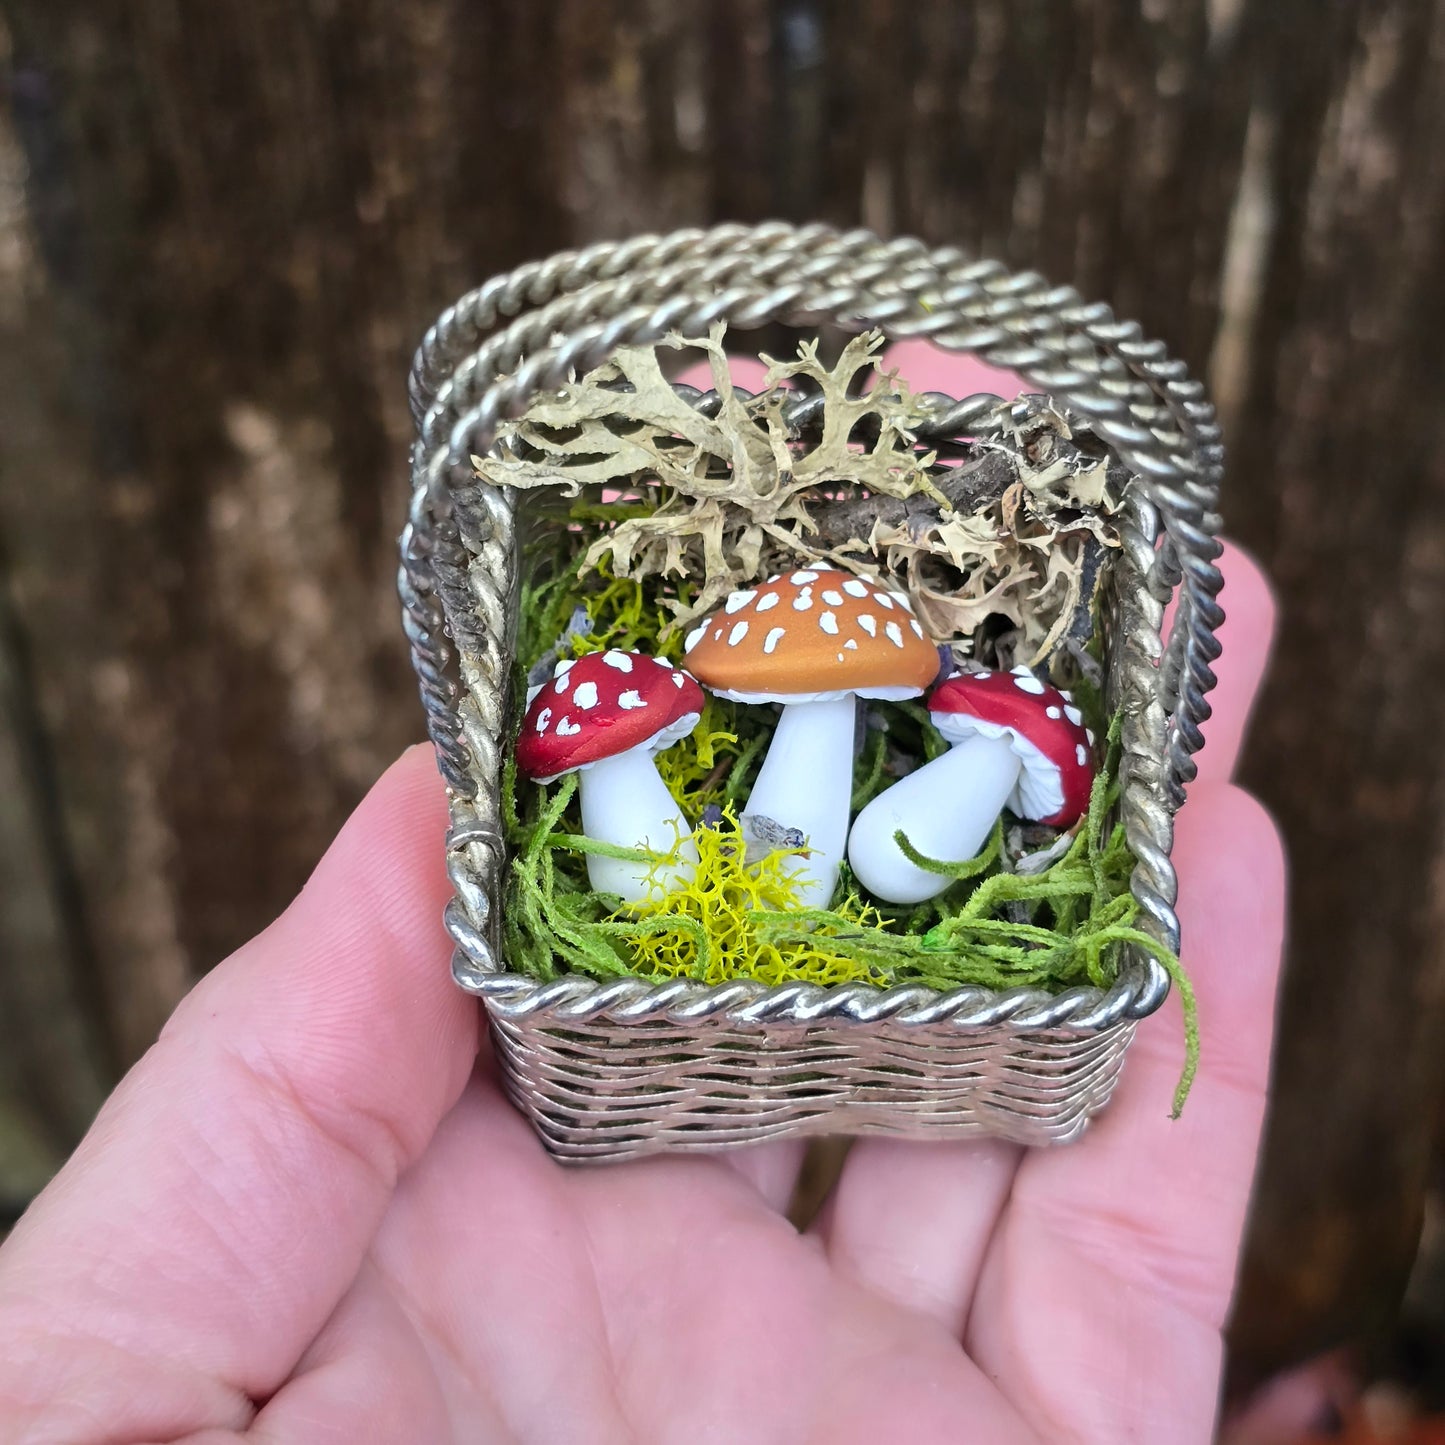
pixel 968 487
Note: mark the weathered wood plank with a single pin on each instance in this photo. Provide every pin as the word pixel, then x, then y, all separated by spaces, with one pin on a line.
pixel 55 1059
pixel 1341 487
pixel 53 1067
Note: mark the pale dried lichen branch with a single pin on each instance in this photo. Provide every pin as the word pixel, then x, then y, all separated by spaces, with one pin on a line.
pixel 1008 537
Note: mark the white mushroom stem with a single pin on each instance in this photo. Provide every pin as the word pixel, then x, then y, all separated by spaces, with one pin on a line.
pixel 625 801
pixel 806 783
pixel 945 809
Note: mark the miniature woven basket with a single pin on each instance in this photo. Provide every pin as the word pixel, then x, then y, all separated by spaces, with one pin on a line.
pixel 616 1069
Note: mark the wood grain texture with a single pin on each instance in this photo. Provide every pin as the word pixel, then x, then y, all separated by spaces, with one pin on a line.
pixel 222 228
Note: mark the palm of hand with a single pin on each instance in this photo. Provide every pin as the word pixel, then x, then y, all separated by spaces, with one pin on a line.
pixel 303 1217
pixel 671 1300
pixel 665 1301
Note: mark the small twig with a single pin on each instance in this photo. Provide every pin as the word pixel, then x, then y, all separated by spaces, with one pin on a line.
pixel 969 487
pixel 715 777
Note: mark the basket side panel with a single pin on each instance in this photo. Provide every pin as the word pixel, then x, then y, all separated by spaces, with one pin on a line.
pixel 607 1089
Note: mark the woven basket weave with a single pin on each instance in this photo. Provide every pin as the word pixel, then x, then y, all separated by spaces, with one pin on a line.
pixel 611 1070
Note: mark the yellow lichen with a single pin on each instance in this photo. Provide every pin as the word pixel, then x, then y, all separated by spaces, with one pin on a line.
pixel 714 936
pixel 624 616
pixel 699 769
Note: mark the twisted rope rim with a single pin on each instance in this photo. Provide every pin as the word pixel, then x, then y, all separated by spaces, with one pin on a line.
pixel 458 574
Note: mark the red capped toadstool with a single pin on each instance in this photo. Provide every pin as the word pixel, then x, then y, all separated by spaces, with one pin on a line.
pixel 1017 742
pixel 814 641
pixel 604 716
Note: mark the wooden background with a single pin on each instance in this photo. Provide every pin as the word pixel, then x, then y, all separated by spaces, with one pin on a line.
pixel 224 226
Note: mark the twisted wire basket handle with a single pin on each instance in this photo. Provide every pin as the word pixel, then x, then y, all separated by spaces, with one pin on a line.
pixel 526 332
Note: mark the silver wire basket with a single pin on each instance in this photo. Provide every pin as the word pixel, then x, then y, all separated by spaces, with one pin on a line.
pixel 626 1067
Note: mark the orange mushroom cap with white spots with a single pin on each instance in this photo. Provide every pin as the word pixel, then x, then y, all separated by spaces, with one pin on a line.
pixel 814 633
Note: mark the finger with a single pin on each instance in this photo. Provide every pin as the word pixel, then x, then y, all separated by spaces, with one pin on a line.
pixel 922 365
pixel 746 371
pixel 223 1199
pixel 1123 1248
pixel 1305 1403
pixel 911 1221
pixel 1248 603
pixel 1245 636
pixel 926 367
pixel 772 1169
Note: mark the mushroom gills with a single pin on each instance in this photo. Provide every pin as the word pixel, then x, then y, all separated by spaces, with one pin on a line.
pixel 625 801
pixel 806 784
pixel 946 809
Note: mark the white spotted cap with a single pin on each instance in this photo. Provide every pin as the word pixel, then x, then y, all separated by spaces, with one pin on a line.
pixel 602 705
pixel 812 634
pixel 1042 726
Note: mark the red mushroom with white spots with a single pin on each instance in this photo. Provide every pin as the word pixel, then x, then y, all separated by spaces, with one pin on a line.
pixel 604 716
pixel 1017 743
pixel 815 641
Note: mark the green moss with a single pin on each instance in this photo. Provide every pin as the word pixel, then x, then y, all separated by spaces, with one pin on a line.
pixel 1064 926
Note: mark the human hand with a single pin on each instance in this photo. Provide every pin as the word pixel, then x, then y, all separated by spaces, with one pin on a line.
pixel 307 1216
